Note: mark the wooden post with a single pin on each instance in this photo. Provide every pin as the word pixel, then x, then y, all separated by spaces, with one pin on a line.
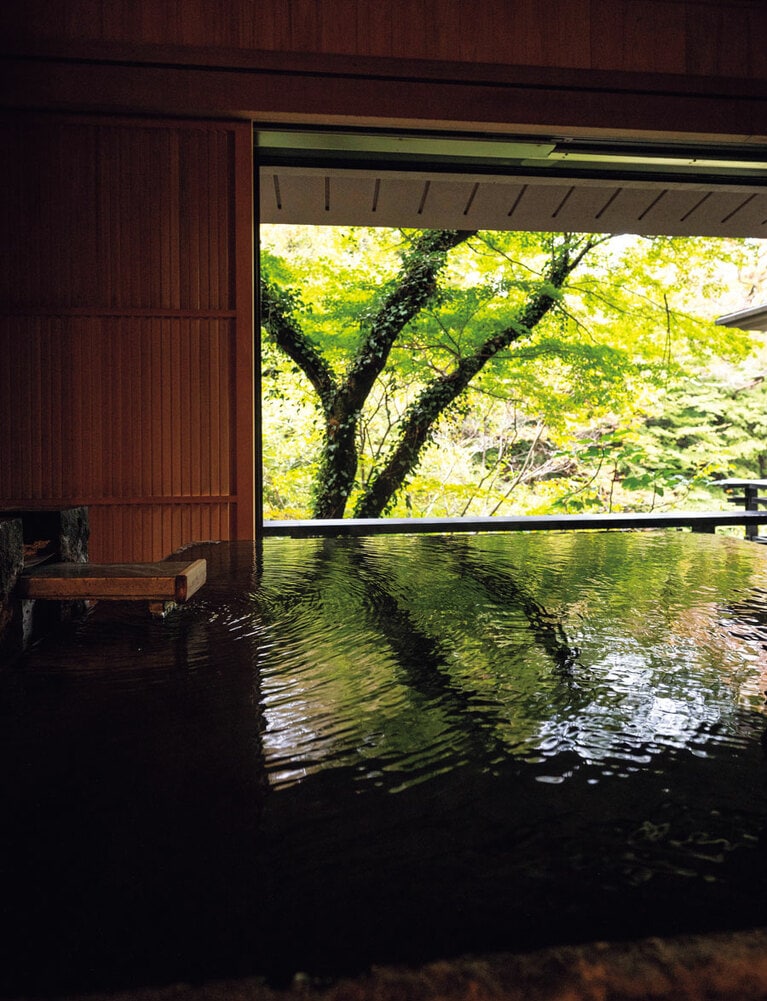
pixel 749 498
pixel 751 491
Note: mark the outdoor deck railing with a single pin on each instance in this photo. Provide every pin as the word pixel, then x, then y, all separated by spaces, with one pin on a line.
pixel 750 499
pixel 698 521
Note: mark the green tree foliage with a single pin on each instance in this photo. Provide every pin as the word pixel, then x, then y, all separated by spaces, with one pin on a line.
pixel 451 372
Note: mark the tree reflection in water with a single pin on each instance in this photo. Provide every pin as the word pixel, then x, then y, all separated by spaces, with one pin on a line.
pixel 389 750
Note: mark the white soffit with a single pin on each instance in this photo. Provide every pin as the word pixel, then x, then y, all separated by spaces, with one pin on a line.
pixel 332 196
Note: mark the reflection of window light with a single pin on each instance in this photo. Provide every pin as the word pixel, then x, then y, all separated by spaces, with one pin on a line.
pixel 632 715
pixel 671 718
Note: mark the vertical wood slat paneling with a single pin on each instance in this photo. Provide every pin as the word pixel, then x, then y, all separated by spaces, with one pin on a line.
pixel 119 218
pixel 375 31
pixel 739 50
pixel 88 413
pixel 239 438
pixel 679 36
pixel 634 31
pixel 150 532
pixel 124 346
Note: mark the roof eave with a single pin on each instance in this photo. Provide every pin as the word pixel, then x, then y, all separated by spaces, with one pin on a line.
pixel 753 318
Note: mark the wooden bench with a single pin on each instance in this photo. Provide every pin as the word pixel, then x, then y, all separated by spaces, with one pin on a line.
pixel 163 585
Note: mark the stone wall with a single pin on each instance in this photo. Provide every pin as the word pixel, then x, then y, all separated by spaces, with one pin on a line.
pixel 28 538
pixel 11 565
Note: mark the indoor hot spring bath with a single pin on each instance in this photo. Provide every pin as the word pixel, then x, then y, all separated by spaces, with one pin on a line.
pixel 361 754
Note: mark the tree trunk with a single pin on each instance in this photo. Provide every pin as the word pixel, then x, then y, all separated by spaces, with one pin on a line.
pixel 343 399
pixel 338 465
pixel 436 398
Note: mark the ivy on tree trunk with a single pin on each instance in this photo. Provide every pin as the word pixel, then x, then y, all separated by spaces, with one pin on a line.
pixel 342 396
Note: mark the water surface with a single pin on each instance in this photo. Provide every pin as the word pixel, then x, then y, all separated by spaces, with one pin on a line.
pixel 357 751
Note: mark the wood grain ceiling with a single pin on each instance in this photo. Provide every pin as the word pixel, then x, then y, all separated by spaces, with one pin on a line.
pixel 422 199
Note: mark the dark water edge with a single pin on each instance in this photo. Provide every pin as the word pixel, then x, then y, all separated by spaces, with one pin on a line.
pixel 216 795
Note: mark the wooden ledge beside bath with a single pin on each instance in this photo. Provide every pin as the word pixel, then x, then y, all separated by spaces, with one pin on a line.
pixel 160 584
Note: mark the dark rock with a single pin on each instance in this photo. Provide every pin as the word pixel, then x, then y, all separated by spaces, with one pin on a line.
pixel 28 537
pixel 11 565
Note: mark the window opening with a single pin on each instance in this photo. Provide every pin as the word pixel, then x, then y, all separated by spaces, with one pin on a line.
pixel 436 183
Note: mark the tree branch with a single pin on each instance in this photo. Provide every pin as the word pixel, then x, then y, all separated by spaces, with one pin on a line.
pixel 415 286
pixel 282 326
pixel 432 402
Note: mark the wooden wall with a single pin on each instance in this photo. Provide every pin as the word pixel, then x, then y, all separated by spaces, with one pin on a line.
pixel 657 69
pixel 700 37
pixel 126 368
pixel 126 339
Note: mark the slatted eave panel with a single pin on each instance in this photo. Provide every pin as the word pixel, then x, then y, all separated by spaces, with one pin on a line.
pixel 711 213
pixel 431 201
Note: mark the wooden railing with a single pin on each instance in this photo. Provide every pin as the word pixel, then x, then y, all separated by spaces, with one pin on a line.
pixel 750 500
pixel 698 521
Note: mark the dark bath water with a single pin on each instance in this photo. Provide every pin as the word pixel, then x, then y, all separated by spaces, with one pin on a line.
pixel 389 750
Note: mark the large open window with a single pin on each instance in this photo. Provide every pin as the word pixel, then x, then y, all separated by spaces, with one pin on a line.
pixel 523 185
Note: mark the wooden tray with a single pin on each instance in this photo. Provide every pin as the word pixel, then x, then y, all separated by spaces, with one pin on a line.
pixel 165 581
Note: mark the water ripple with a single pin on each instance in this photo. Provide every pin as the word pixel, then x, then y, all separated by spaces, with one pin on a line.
pixel 613 648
